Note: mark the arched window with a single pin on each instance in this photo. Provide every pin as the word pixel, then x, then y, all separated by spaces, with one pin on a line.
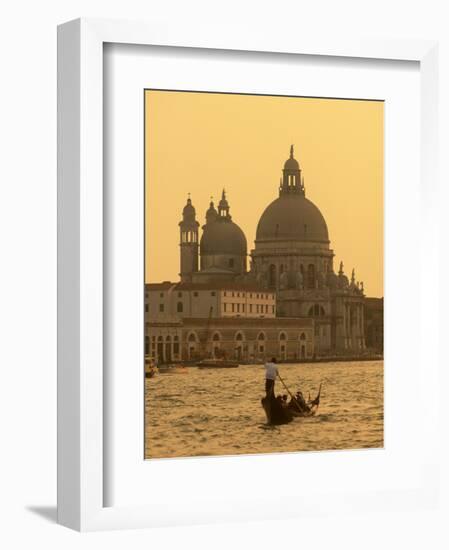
pixel 239 337
pixel 303 336
pixel 272 276
pixel 261 336
pixel 216 337
pixel 179 307
pixel 311 276
pixel 282 336
pixel 192 337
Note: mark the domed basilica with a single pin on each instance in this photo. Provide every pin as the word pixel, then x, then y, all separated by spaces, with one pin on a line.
pixel 291 258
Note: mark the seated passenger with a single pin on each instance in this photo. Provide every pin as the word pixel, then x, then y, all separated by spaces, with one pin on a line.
pixel 301 402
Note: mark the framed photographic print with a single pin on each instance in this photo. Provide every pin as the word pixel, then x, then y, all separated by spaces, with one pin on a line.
pixel 235 289
pixel 242 223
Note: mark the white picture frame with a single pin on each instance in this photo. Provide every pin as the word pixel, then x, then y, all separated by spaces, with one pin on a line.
pixel 81 408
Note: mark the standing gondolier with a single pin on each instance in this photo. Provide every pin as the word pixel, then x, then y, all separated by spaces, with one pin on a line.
pixel 271 371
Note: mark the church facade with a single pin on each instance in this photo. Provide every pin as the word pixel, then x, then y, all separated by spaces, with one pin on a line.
pixel 291 264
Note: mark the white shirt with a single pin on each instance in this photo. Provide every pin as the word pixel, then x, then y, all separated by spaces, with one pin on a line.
pixel 271 371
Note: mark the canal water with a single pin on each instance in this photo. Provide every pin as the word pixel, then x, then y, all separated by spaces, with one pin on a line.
pixel 218 412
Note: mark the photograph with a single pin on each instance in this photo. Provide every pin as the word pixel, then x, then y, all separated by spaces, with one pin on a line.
pixel 264 249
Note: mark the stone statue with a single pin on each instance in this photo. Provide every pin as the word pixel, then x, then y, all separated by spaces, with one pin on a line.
pixel 343 282
pixel 353 285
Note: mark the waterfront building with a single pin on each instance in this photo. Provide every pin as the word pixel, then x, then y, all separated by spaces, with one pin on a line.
pixel 243 338
pixel 173 301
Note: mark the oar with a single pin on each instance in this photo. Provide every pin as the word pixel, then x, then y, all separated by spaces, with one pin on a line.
pixel 290 393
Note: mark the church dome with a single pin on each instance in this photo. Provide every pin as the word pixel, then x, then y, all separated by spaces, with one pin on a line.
pixel 292 217
pixel 223 237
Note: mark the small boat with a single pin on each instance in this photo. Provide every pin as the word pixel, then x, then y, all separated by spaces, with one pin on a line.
pixel 278 412
pixel 217 364
pixel 299 407
pixel 150 368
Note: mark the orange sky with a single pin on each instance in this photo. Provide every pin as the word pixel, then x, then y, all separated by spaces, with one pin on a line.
pixel 202 142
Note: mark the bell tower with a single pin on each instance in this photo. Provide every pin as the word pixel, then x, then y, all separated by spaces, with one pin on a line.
pixel 188 242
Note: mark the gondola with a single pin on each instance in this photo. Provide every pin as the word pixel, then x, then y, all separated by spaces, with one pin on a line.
pixel 150 368
pixel 301 408
pixel 279 413
pixel 276 412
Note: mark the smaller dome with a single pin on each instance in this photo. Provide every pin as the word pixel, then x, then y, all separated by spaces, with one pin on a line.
pixel 223 237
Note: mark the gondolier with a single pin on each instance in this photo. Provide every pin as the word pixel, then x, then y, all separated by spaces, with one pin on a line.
pixel 271 372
